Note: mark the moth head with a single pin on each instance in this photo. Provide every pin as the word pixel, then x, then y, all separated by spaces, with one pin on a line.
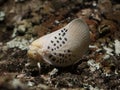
pixel 33 52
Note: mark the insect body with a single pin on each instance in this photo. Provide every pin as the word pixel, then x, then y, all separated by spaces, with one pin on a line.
pixel 63 47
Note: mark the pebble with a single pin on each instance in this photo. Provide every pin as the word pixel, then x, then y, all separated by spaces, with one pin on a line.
pixel 93 65
pixel 16 83
pixel 30 84
pixel 94 3
pixel 1 43
pixel 53 72
pixel 57 22
pixel 117 47
pixel 106 57
pixel 21 29
pixel 108 50
pixel 2 15
pixel 93 46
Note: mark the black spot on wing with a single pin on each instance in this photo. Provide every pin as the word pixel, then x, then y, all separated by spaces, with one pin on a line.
pixel 65 39
pixel 52 49
pixel 54 44
pixel 55 37
pixel 48 47
pixel 51 41
pixel 57 47
pixel 63 42
pixel 50 56
pixel 59 40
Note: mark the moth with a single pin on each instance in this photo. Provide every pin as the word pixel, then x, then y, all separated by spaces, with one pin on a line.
pixel 63 47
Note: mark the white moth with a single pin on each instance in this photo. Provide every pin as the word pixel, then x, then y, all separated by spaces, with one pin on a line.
pixel 63 47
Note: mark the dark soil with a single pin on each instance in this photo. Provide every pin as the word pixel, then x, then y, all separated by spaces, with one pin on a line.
pixel 99 69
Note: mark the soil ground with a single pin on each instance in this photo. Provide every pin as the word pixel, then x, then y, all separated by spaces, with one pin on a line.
pixel 23 21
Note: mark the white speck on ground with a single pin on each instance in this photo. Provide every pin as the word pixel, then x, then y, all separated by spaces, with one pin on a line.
pixel 93 88
pixel 117 47
pixel 31 84
pixel 106 57
pixel 93 65
pixel 2 15
pixel 93 46
pixel 108 50
pixel 17 83
pixel 53 72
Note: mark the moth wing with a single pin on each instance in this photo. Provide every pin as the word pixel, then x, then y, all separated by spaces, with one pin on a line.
pixel 66 46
